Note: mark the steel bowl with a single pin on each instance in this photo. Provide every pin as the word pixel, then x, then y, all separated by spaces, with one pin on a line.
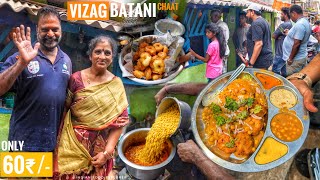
pixel 162 26
pixel 171 75
pixel 249 165
pixel 138 171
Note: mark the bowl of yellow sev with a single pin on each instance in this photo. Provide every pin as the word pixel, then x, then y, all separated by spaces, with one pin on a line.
pixel 146 152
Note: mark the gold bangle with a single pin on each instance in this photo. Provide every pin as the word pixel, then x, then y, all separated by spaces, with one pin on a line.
pixel 106 153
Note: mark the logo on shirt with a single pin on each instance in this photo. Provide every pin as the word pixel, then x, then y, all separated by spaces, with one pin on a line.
pixel 65 69
pixel 33 67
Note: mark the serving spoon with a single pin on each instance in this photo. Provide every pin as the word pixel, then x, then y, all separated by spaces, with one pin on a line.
pixel 209 97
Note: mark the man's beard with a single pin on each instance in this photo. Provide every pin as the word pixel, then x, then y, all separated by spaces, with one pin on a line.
pixel 47 43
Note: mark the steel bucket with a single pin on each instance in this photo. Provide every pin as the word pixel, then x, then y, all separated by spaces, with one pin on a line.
pixel 138 171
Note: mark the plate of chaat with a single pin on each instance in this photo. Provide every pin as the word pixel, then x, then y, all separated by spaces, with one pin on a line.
pixel 255 123
pixel 152 59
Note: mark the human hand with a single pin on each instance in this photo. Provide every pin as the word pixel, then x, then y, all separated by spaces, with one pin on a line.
pixel 22 40
pixel 184 58
pixel 99 160
pixel 285 32
pixel 192 52
pixel 188 151
pixel 307 94
pixel 122 121
pixel 290 61
pixel 161 94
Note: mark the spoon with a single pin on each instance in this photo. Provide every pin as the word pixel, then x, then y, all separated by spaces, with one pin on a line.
pixel 209 97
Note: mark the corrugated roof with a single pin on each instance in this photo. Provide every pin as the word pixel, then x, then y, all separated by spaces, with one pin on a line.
pixel 32 8
pixel 243 3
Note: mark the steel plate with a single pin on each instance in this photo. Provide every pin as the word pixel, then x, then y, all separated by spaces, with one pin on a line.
pixel 250 165
pixel 175 72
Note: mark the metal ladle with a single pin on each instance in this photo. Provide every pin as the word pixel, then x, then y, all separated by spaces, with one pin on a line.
pixel 209 98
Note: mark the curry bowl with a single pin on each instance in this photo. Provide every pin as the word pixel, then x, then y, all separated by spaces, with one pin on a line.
pixel 243 125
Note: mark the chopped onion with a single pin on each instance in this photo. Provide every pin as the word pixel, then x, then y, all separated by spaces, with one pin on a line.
pixel 248 125
pixel 219 130
pixel 258 90
pixel 255 116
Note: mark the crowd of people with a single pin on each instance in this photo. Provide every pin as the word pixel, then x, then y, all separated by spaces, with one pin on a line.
pixel 80 116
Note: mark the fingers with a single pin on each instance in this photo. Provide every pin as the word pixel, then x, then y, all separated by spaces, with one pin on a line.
pixel 157 98
pixel 22 32
pixel 28 34
pixel 308 101
pixel 15 38
pixel 36 46
pixel 18 34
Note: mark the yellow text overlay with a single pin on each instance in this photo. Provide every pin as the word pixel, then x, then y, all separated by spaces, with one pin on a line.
pixel 26 164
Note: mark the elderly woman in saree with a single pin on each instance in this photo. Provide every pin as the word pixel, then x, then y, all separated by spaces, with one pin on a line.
pixel 97 113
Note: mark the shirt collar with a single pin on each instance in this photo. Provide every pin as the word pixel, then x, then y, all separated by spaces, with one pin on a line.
pixel 58 57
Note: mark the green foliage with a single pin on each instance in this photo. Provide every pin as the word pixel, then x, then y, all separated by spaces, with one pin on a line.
pixel 215 108
pixel 231 104
pixel 242 115
pixel 220 120
pixel 256 109
pixel 230 144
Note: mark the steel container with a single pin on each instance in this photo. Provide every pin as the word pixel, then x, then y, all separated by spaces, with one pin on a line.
pixel 138 171
pixel 184 108
pixel 162 26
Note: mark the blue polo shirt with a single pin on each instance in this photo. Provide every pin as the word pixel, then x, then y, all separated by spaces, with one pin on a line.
pixel 300 31
pixel 39 102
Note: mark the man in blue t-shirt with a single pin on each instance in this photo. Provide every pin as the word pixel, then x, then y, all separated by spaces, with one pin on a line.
pixel 39 76
pixel 295 44
pixel 258 39
pixel 279 65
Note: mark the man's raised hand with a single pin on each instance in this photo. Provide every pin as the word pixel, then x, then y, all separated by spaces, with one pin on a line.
pixel 22 40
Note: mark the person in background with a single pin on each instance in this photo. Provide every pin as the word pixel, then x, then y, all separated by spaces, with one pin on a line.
pixel 316 24
pixel 215 51
pixel 190 152
pixel 316 34
pixel 39 76
pixel 279 65
pixel 295 44
pixel 215 16
pixel 244 55
pixel 97 112
pixel 240 36
pixel 258 39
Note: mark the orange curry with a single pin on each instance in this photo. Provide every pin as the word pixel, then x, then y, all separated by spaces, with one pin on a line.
pixel 235 121
pixel 268 81
pixel 286 127
pixel 132 151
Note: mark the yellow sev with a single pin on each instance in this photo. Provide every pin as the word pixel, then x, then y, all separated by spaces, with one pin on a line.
pixel 164 126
